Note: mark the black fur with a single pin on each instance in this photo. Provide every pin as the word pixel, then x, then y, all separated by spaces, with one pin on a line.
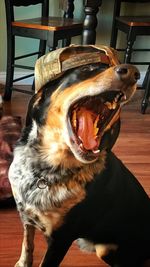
pixel 116 210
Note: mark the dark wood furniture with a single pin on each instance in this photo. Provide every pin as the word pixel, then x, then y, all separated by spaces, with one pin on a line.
pixel 146 98
pixel 132 26
pixel 91 8
pixel 49 30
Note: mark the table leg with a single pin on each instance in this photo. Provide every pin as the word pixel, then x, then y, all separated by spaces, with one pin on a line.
pixel 91 8
pixel 70 8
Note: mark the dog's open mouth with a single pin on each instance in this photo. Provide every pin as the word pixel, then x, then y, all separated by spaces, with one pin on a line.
pixel 89 118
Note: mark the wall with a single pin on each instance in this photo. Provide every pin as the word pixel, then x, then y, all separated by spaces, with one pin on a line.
pixel 24 44
pixel 103 29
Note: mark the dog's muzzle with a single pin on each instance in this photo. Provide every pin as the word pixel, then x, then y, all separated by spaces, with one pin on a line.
pixel 90 117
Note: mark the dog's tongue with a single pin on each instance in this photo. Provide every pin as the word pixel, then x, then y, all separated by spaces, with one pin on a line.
pixel 86 130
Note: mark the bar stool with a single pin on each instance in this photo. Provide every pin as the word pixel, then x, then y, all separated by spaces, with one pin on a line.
pixel 132 26
pixel 49 30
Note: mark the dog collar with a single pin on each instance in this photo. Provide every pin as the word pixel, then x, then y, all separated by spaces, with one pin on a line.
pixel 52 65
pixel 44 182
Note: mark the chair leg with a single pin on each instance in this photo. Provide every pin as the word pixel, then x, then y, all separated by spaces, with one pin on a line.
pixel 130 42
pixel 114 34
pixel 145 100
pixel 10 68
pixel 42 50
pixel 144 84
pixel 52 41
pixel 68 14
pixel 66 42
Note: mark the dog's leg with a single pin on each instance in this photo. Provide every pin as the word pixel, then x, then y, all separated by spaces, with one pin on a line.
pixel 58 245
pixel 26 257
pixel 55 253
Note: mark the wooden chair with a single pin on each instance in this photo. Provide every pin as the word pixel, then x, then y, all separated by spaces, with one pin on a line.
pixel 49 30
pixel 146 98
pixel 132 26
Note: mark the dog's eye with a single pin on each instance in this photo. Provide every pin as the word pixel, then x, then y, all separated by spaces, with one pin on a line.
pixel 87 68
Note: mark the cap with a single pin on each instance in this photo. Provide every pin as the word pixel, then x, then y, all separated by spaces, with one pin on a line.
pixel 52 65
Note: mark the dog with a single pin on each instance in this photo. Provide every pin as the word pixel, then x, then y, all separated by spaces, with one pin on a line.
pixel 65 179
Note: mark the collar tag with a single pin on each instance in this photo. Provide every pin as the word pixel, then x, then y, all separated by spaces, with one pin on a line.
pixel 42 183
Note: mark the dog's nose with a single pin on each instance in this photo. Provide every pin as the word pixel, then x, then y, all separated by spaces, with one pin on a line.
pixel 127 73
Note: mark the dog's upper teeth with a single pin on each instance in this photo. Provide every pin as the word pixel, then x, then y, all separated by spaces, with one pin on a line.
pixel 74 119
pixel 81 146
pixel 96 129
pixel 111 105
pixel 120 96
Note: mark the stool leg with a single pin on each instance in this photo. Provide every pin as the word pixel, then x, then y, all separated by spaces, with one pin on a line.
pixel 113 42
pixel 114 30
pixel 66 42
pixel 144 84
pixel 42 50
pixel 68 14
pixel 145 100
pixel 10 68
pixel 91 9
pixel 130 42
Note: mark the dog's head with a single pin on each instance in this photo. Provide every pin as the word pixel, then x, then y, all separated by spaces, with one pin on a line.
pixel 75 113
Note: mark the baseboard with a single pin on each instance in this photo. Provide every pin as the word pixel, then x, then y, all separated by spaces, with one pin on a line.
pixel 30 80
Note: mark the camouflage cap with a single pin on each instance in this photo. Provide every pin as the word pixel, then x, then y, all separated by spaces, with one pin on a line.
pixel 52 65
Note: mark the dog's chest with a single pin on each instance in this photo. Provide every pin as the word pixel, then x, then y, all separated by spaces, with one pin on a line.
pixel 42 207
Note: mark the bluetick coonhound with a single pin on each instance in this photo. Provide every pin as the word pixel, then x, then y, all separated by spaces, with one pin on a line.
pixel 66 181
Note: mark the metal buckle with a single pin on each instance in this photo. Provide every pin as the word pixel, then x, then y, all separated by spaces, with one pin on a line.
pixel 42 183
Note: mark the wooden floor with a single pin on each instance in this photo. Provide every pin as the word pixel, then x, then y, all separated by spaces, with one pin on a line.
pixel 133 147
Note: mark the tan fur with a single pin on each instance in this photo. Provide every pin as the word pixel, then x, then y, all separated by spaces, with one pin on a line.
pixel 26 257
pixel 102 250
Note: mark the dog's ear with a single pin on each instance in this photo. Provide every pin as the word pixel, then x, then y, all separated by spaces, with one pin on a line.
pixel 39 103
pixel 110 137
pixel 30 111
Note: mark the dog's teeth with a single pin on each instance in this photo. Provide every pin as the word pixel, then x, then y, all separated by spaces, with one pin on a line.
pixel 111 105
pixel 74 119
pixel 80 137
pixel 124 97
pixel 114 104
pixel 81 145
pixel 116 98
pixel 119 97
pixel 96 151
pixel 96 129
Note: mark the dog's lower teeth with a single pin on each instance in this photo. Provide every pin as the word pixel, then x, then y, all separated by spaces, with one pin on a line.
pixel 116 98
pixel 96 151
pixel 120 96
pixel 81 145
pixel 124 97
